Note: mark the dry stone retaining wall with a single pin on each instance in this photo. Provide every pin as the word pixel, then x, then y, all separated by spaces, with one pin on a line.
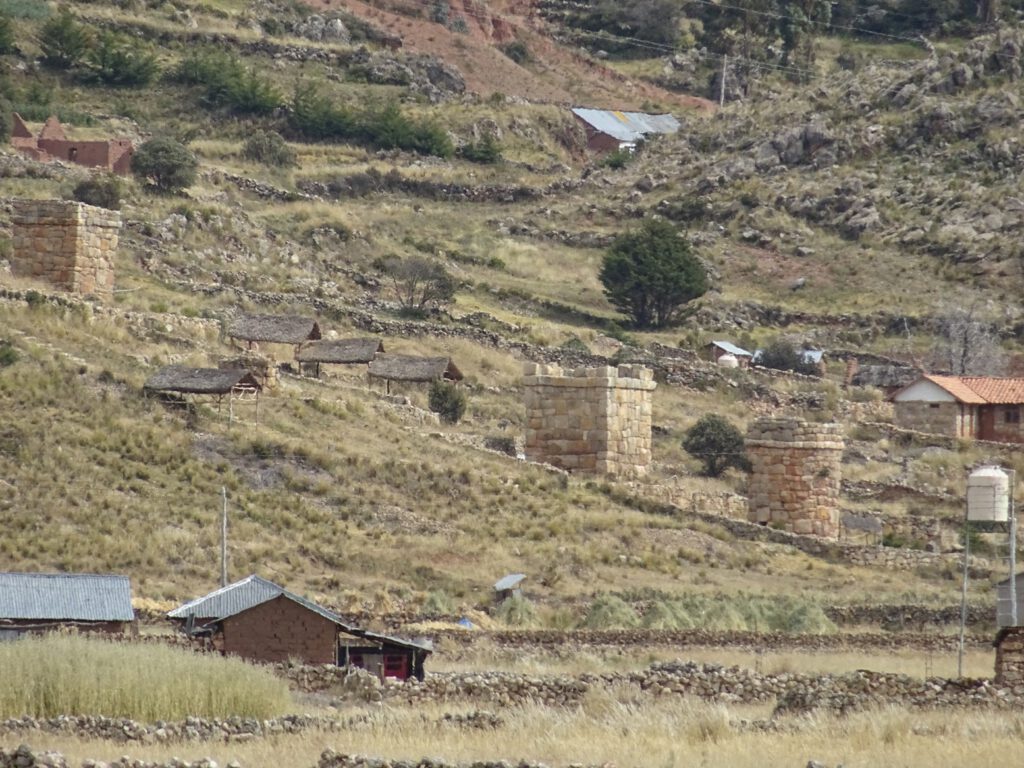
pixel 795 475
pixel 589 420
pixel 66 243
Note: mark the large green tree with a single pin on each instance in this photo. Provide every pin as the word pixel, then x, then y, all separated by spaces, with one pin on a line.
pixel 650 273
pixel 717 443
pixel 165 164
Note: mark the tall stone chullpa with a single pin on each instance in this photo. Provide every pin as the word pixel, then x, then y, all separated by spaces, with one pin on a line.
pixel 795 475
pixel 68 244
pixel 589 420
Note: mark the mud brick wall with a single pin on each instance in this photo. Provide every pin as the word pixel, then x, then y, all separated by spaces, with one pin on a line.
pixel 68 244
pixel 795 478
pixel 589 420
pixel 279 630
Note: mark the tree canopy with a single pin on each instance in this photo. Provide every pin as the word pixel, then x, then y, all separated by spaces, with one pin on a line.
pixel 651 273
pixel 717 443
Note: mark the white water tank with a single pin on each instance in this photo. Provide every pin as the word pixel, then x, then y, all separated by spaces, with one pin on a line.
pixel 988 495
pixel 728 361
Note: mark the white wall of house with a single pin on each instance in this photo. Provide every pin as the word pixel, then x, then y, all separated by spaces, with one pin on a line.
pixel 924 391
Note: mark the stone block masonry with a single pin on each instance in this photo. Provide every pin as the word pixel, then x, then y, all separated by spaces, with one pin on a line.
pixel 69 244
pixel 795 475
pixel 589 420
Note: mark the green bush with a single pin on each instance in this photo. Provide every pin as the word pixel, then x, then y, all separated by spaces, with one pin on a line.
pixel 486 150
pixel 610 612
pixel 64 41
pixel 717 443
pixel 782 355
pixel 121 61
pixel 517 51
pixel 268 148
pixel 165 164
pixel 228 83
pixel 447 400
pixel 104 190
pixel 68 675
pixel 6 34
pixel 517 612
pixel 617 159
pixel 8 354
pixel 25 9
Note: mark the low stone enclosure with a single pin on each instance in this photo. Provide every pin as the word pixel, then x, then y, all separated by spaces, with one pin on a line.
pixel 795 475
pixel 589 420
pixel 70 245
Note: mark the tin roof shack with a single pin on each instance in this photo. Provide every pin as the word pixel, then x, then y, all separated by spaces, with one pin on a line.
pixel 978 407
pixel 1004 614
pixel 718 348
pixel 337 352
pixel 1009 644
pixel 408 368
pixel 40 602
pixel 609 130
pixel 291 330
pixel 206 385
pixel 52 143
pixel 262 621
pixel 508 587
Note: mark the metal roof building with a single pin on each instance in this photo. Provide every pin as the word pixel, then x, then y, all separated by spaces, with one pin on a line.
pixel 613 129
pixel 43 600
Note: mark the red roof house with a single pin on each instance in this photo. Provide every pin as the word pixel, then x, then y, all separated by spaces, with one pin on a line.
pixel 979 407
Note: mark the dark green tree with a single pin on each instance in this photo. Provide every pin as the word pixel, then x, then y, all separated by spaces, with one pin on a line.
pixel 782 355
pixel 268 148
pixel 117 60
pixel 64 41
pixel 447 401
pixel 418 282
pixel 717 443
pixel 651 273
pixel 6 34
pixel 103 189
pixel 165 164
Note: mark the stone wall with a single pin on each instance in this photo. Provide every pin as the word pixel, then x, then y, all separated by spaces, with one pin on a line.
pixel 590 420
pixel 932 418
pixel 795 475
pixel 1010 657
pixel 68 244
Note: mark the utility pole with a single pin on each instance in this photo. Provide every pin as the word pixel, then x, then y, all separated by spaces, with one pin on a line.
pixel 224 537
pixel 721 84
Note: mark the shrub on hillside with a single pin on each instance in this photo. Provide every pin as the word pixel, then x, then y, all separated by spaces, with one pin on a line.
pixel 8 354
pixel 419 283
pixel 104 190
pixel 447 401
pixel 118 60
pixel 516 612
pixel 610 612
pixel 717 443
pixel 782 355
pixel 65 42
pixel 228 83
pixel 6 34
pixel 69 675
pixel 165 164
pixel 486 150
pixel 268 148
pixel 517 51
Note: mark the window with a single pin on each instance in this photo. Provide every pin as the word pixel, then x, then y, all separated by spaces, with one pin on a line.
pixel 935 406
pixel 1011 415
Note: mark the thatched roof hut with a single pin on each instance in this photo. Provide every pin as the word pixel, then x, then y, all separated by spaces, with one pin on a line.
pixel 276 329
pixel 201 381
pixel 340 351
pixel 412 368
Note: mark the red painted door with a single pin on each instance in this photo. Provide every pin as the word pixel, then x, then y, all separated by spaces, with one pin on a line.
pixel 987 423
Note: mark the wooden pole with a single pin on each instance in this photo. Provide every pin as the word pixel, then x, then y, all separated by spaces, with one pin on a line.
pixel 224 537
pixel 721 85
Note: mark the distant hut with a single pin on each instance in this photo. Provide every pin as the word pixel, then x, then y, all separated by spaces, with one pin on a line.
pixel 409 368
pixel 42 602
pixel 206 384
pixel 716 349
pixel 508 587
pixel 337 352
pixel 293 330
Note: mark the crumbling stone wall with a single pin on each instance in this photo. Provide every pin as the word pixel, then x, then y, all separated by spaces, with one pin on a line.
pixel 589 420
pixel 66 243
pixel 1010 657
pixel 795 475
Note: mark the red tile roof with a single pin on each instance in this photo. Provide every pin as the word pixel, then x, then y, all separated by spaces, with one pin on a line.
pixel 982 390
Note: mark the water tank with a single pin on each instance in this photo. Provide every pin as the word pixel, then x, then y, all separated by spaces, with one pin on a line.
pixel 988 495
pixel 728 361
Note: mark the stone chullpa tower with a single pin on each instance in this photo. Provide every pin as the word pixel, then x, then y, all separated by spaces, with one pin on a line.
pixel 795 477
pixel 68 244
pixel 589 420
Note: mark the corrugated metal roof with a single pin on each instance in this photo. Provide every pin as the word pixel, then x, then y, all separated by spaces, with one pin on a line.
pixel 509 582
pixel 66 596
pixel 731 348
pixel 626 126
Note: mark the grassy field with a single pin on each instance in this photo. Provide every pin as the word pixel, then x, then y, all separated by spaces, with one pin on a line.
pixel 71 675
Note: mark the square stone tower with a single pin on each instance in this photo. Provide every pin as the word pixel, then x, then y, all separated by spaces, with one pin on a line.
pixel 589 420
pixel 69 244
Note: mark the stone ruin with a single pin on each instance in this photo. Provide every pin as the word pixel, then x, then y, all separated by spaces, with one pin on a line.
pixel 795 475
pixel 589 420
pixel 69 244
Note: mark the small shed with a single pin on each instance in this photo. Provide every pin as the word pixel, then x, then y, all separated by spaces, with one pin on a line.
pixel 508 587
pixel 259 620
pixel 413 369
pixel 41 602
pixel 718 348
pixel 338 352
pixel 612 129
pixel 1004 615
pixel 212 384
pixel 294 330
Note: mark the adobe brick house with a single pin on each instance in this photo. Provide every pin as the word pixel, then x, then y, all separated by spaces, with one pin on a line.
pixel 609 130
pixel 52 143
pixel 44 602
pixel 258 620
pixel 977 407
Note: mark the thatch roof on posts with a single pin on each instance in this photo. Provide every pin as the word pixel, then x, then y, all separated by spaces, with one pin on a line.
pixel 340 351
pixel 411 368
pixel 201 381
pixel 277 329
